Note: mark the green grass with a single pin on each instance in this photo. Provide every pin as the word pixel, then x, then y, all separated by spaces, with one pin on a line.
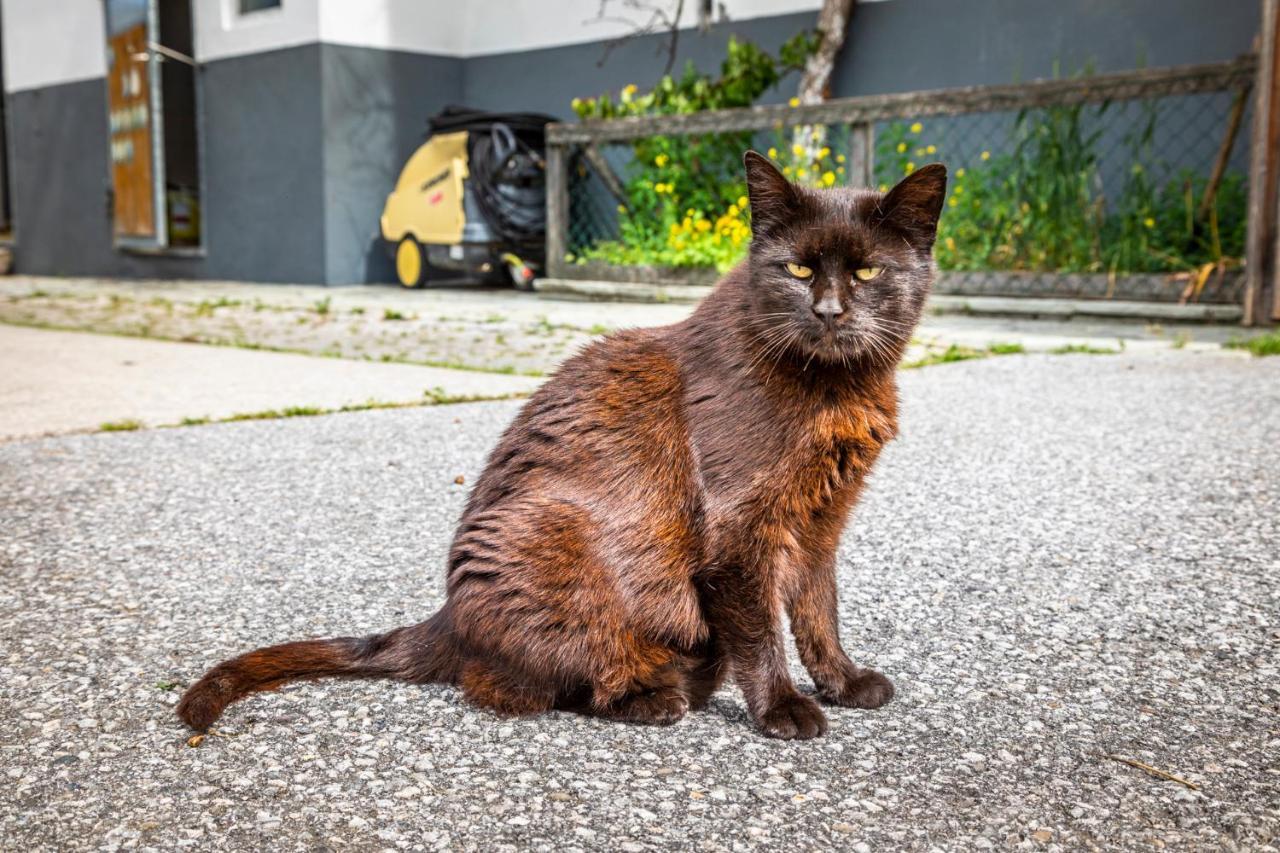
pixel 205 308
pixel 955 352
pixel 393 314
pixel 1083 349
pixel 271 414
pixel 1261 346
pixel 322 306
pixel 127 425
pixel 1006 349
pixel 166 686
pixel 430 397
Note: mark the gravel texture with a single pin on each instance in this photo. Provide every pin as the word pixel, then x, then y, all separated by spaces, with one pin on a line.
pixel 1063 558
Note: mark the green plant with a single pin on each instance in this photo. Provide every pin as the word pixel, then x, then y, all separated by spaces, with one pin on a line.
pixel 1262 345
pixel 685 196
pixel 1006 349
pixel 393 314
pixel 1083 349
pixel 322 306
pixel 126 425
pixel 954 352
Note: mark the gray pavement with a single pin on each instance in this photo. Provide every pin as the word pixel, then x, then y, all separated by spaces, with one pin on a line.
pixel 1063 558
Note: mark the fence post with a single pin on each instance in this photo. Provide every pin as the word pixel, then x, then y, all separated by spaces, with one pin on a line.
pixel 557 207
pixel 862 153
pixel 1262 250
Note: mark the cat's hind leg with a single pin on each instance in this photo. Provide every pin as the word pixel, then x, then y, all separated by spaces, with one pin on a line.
pixel 660 701
pixel 503 690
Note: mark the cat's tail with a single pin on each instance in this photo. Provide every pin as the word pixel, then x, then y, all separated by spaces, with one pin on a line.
pixel 420 653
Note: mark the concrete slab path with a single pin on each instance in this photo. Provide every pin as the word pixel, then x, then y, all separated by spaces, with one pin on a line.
pixel 57 382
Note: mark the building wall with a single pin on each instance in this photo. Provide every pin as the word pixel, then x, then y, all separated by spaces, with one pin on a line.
pixel 309 111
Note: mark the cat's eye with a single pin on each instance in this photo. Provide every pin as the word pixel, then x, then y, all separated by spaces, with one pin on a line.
pixel 799 270
pixel 868 273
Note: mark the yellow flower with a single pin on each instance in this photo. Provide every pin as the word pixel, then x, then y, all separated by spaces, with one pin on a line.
pixel 902 147
pixel 932 149
pixel 960 172
pixel 840 170
pixel 953 201
pixel 828 178
pixel 786 170
pixel 917 127
pixel 742 202
pixel 1149 222
pixel 661 160
pixel 732 211
pixel 576 103
pixel 797 150
pixel 951 244
pixel 703 226
pixel 621 209
pixel 909 168
pixel 629 90
pixel 802 174
pixel 884 188
pixel 959 190
pixel 986 155
pixel 773 153
pixel 794 102
pixel 824 153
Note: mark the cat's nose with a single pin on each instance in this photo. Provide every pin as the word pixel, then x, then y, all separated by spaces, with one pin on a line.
pixel 829 307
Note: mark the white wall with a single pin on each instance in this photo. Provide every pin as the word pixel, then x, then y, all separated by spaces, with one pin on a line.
pixel 47 42
pixel 477 27
pixel 221 31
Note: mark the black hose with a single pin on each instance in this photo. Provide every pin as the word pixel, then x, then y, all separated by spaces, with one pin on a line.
pixel 508 169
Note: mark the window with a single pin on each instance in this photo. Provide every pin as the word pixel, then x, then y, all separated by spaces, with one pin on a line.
pixel 250 6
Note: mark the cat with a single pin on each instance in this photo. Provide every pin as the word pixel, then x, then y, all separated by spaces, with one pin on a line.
pixel 657 505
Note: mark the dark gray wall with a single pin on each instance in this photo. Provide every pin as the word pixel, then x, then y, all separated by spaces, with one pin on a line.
pixel 375 107
pixel 898 46
pixel 263 189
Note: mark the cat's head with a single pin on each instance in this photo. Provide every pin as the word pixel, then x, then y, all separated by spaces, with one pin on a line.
pixel 840 274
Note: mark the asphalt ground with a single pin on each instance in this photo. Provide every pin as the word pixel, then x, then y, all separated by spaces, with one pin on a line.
pixel 1065 563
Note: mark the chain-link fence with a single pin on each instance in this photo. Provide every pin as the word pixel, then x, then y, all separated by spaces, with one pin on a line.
pixel 1127 186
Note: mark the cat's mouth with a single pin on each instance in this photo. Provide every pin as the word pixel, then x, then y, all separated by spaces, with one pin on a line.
pixel 841 342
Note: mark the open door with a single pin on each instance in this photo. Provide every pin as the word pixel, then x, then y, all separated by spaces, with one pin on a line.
pixel 134 122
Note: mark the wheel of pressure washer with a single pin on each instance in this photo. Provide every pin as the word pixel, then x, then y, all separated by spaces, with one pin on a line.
pixel 411 262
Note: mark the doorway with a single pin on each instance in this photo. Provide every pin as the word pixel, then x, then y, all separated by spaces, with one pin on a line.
pixel 153 123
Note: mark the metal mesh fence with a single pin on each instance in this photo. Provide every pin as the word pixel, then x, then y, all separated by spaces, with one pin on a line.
pixel 1141 197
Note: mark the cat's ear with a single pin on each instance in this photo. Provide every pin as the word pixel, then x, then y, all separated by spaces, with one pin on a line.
pixel 773 198
pixel 914 205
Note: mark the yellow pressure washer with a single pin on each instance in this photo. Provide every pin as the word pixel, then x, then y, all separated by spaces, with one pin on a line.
pixel 472 198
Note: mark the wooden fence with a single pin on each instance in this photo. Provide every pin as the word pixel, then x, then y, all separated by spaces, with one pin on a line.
pixel 575 144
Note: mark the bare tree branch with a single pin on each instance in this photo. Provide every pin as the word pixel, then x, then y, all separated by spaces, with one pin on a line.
pixel 661 19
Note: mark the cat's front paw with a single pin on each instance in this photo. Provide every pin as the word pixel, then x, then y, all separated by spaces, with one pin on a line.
pixel 864 688
pixel 793 716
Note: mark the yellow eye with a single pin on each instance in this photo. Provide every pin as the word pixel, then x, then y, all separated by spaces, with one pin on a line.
pixel 868 273
pixel 799 271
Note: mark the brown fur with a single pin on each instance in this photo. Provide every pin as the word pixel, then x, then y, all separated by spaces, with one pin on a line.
pixel 654 510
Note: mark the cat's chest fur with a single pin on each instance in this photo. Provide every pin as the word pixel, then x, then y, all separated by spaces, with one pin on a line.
pixel 782 462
